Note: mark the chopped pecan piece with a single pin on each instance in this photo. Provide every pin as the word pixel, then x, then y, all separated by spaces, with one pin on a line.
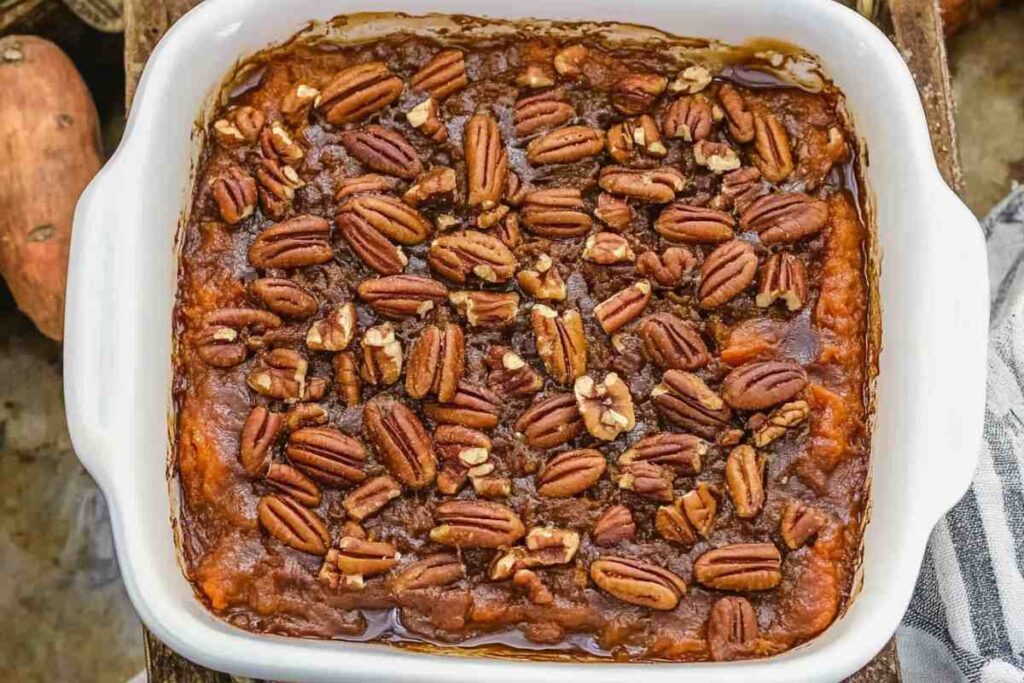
pixel 737 116
pixel 277 144
pixel 461 451
pixel 443 75
pixel 717 157
pixel 771 146
pixel 346 374
pixel 785 217
pixel 384 150
pixel 561 342
pixel 535 589
pixel 509 374
pixel 486 161
pixel 672 343
pixel 623 307
pixel 436 362
pixel 292 482
pixel 782 419
pixel 635 93
pixel 551 421
pixel 784 277
pixel 556 213
pixel 689 118
pixel 740 567
pixel 700 507
pixel 239 126
pixel 543 547
pixel 297 102
pixel 277 184
pixel 614 212
pixel 289 522
pixel 368 183
pixel 258 434
pixel 457 255
pixel 435 186
pixel 686 223
pixel 370 497
pixel 220 346
pixel 763 384
pixel 739 189
pixel 656 185
pixel 234 192
pixel 685 400
pixel 535 76
pixel 726 272
pixel 615 524
pixel 569 60
pixel 491 486
pixel 476 524
pixel 334 331
pixel 433 571
pixel 606 407
pixel 628 140
pixel 486 309
pixel 570 473
pixel 382 355
pixel 744 474
pixel 799 523
pixel 681 453
pixel 425 118
pixel 638 582
pixel 608 248
pixel 401 442
pixel 358 91
pixel 542 111
pixel 402 296
pixel 732 629
pixel 647 479
pixel 294 243
pixel 305 415
pixel 672 525
pixel 543 282
pixel 284 297
pixel 668 268
pixel 690 80
pixel 330 457
pixel 471 406
pixel 565 145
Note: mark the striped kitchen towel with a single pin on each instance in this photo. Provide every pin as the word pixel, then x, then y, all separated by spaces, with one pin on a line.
pixel 966 619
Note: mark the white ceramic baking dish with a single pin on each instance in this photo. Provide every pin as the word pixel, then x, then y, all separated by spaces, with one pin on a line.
pixel 121 289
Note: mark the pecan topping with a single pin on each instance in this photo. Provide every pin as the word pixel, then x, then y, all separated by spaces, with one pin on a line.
pixel 561 342
pixel 346 374
pixel 634 94
pixel 647 479
pixel 737 116
pixel 289 522
pixel 681 453
pixel 668 268
pixel 565 145
pixel 673 344
pixel 389 216
pixel 785 217
pixel 281 374
pixel 463 452
pixel 607 248
pixel 436 362
pixel 623 307
pixel 726 272
pixel 456 256
pixel 535 76
pixel 615 524
pixel 382 355
pixel 536 591
pixel 543 282
pixel 368 183
pixel 628 140
pixel 543 547
pixel 284 297
pixel 293 483
pixel 799 523
pixel 305 415
pixel 384 150
pixel 220 346
pixel 690 80
pixel 327 455
pixel 685 400
pixel 486 161
pixel 443 75
pixel 294 243
pixel 277 185
pixel 689 118
pixel 369 245
pixel 740 567
pixel 370 497
pixel 762 384
pixel 401 442
pixel 509 374
pixel 638 582
pixel 551 421
pixel 782 419
pixel 435 186
pixel 739 189
pixel 557 213
pixel 700 507
pixel 607 407
pixel 569 60
pixel 732 629
pixel 613 212
pixel 240 126
pixel 542 111
pixel 671 525
pixel 425 118
pixel 277 144
pixel 685 223
pixel 433 571
pixel 656 185
pixel 570 473
pixel 471 406
pixel 333 332
pixel 234 192
pixel 783 277
pixel 717 157
pixel 357 92
pixel 356 557
pixel 486 309
pixel 744 473
pixel 476 524
pixel 297 102
pixel 258 434
pixel 402 296
pixel 771 144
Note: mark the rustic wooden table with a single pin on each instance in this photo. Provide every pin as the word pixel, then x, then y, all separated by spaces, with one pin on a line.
pixel 916 29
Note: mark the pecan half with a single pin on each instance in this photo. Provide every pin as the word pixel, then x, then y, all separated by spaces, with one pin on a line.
pixel 672 525
pixel 606 407
pixel 717 157
pixel 346 374
pixel 744 474
pixel 685 400
pixel 739 189
pixel 433 571
pixel 486 309
pixel 384 150
pixel 635 93
pixel 370 497
pixel 732 629
pixel 570 473
pixel 471 406
pixel 668 268
pixel 327 455
pixel 368 183
pixel 738 118
pixel 771 146
pixel 277 185
pixel 799 523
pixel 258 434
pixel 234 192
pixel 401 442
pixel 334 331
pixel 436 362
pixel 457 255
pixel 565 145
pixel 284 297
pixel 763 384
pixel 628 140
pixel 726 272
pixel 700 507
pixel 402 296
pixel 656 185
pixel 476 524
pixel 784 277
pixel 557 213
pixel 672 343
pixel 509 374
pixel 623 307
pixel 220 346
pixel 740 567
pixel 647 479
pixel 608 248
pixel 294 243
pixel 382 355
pixel 289 522
pixel 551 421
pixel 685 223
pixel 358 91
pixel 569 60
pixel 614 212
pixel 294 483
pixel 356 557
pixel 638 582
pixel 689 118
pixel 486 161
pixel 435 186
pixel 369 245
pixel 389 216
pixel 681 453
pixel 425 118
pixel 542 111
pixel 782 419
pixel 785 217
pixel 543 282
pixel 280 374
pixel 615 524
pixel 297 102
pixel 239 126
pixel 443 75
pixel 561 342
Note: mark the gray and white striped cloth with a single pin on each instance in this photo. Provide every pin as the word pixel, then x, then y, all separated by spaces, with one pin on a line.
pixel 966 619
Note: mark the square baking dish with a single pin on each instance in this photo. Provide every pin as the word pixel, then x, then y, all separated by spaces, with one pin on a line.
pixel 121 288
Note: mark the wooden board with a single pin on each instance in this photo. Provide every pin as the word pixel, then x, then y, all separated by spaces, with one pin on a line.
pixel 917 30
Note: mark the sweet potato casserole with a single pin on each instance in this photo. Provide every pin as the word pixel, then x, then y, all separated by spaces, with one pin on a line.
pixel 524 343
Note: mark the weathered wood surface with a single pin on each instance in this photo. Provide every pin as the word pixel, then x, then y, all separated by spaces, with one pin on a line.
pixel 917 31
